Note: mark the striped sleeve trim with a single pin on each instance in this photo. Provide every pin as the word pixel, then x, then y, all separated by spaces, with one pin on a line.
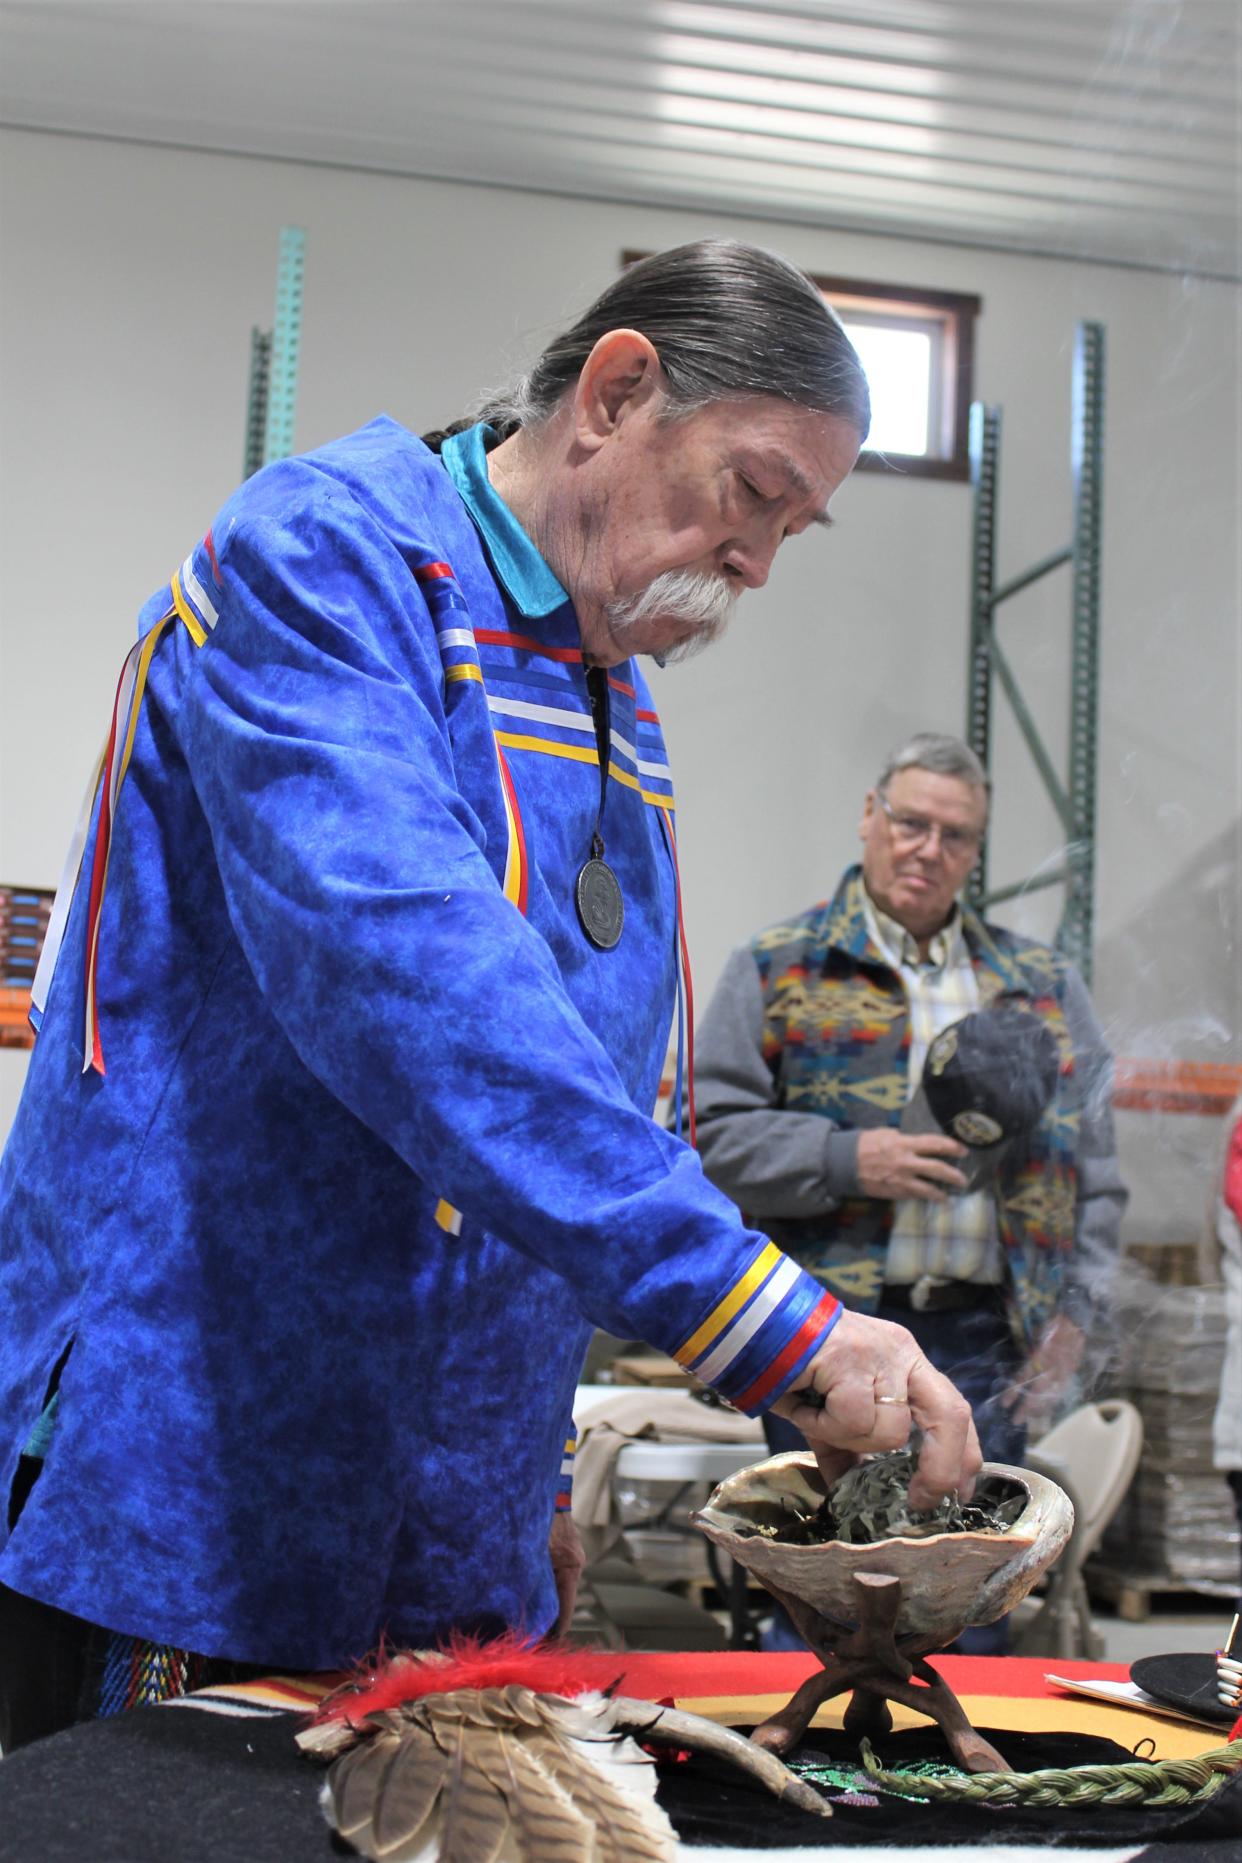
pixel 775 1380
pixel 458 655
pixel 763 1332
pixel 565 1482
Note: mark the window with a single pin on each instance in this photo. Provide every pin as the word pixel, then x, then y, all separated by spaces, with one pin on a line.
pixel 918 350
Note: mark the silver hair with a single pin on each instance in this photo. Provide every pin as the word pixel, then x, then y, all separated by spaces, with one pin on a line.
pixel 726 319
pixel 941 755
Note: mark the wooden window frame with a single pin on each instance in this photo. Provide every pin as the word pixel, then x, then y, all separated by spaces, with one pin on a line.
pixel 955 313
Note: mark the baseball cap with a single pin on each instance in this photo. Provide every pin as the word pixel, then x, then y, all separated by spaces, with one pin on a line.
pixel 986 1082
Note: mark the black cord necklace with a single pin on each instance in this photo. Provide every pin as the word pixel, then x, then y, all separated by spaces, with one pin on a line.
pixel 597 891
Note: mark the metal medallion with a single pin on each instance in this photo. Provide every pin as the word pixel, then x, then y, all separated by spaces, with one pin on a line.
pixel 600 905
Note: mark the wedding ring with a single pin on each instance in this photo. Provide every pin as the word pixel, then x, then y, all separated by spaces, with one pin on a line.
pixel 890 1400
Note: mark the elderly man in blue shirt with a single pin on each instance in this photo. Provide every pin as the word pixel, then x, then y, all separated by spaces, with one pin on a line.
pixel 337 1135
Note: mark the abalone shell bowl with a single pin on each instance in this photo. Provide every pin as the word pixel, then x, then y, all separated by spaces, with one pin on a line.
pixel 948 1580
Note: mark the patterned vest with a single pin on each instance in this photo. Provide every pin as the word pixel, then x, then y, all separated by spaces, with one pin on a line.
pixel 836 1036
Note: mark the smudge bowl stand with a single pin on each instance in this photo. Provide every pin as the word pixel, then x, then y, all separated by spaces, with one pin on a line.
pixel 872 1613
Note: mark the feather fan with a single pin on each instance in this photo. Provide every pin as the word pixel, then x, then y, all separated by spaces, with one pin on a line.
pixel 508 1752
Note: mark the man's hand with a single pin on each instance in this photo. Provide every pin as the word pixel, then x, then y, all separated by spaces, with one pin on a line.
pixel 875 1387
pixel 568 1559
pixel 908 1164
pixel 1035 1394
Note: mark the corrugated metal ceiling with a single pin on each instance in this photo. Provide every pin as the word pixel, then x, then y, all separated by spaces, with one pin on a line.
pixel 1082 128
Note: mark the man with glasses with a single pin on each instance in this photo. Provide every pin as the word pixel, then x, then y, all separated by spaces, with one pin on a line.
pixel 815 1041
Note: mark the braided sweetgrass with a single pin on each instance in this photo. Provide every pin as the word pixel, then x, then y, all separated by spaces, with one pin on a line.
pixel 1132 1782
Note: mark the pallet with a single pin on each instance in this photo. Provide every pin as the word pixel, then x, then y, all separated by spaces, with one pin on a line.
pixel 1175 1086
pixel 1130 1593
pixel 15 1029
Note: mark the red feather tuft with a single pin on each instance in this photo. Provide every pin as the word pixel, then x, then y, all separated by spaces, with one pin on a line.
pixel 548 1668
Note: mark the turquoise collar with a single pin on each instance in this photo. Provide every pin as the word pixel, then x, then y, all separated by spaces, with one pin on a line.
pixel 522 572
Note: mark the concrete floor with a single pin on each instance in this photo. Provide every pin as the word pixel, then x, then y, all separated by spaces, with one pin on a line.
pixel 1166 1632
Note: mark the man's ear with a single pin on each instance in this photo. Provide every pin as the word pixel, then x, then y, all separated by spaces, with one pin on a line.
pixel 621 374
pixel 868 814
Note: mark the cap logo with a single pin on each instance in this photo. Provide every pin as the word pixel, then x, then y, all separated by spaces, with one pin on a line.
pixel 942 1050
pixel 976 1129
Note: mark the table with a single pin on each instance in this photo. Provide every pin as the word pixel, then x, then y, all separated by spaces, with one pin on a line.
pixel 219 1779
pixel 668 1461
pixel 681 1462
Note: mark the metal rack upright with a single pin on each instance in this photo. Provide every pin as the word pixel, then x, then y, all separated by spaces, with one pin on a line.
pixel 274 358
pixel 1075 799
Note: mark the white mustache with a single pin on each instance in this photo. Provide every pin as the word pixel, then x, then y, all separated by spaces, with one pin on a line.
pixel 693 598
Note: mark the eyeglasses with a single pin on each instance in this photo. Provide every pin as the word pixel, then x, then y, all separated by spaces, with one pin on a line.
pixel 915 829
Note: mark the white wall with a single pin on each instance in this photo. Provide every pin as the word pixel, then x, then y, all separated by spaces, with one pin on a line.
pixel 132 277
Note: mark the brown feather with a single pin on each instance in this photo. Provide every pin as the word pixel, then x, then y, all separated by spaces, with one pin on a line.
pixel 475 1814
pixel 445 1729
pixel 354 1781
pixel 478 1708
pixel 547 1827
pixel 627 1830
pixel 409 1791
pixel 522 1704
